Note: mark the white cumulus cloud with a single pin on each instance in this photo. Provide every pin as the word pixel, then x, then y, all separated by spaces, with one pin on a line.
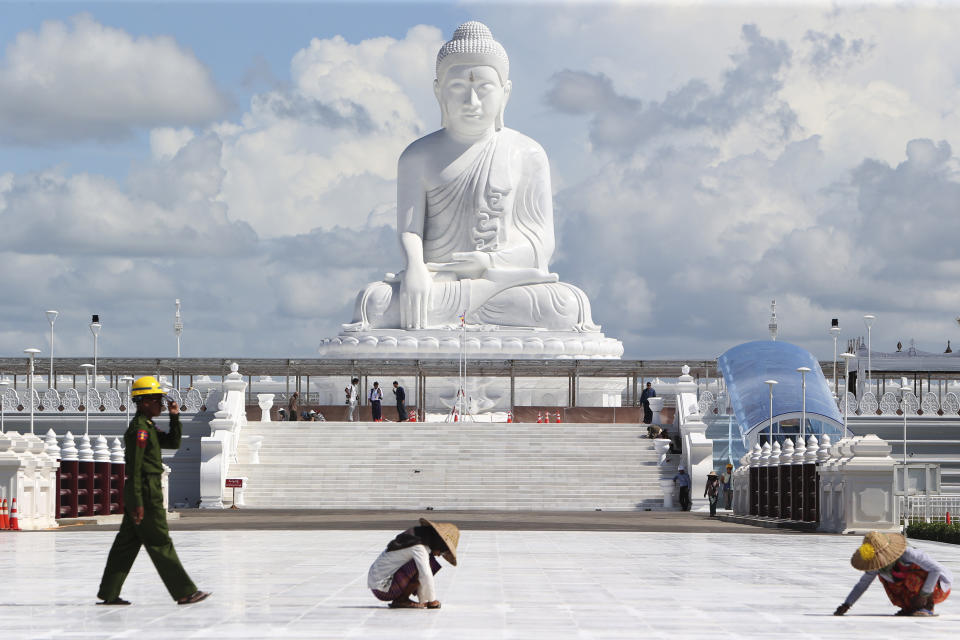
pixel 84 80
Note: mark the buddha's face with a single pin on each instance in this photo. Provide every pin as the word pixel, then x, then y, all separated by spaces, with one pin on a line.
pixel 472 98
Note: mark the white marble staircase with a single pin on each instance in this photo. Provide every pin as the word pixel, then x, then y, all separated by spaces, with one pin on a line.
pixel 342 465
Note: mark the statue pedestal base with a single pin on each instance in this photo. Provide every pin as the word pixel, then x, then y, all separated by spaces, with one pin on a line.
pixel 482 343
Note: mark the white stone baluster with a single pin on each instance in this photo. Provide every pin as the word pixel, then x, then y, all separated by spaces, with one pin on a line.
pixel 116 452
pixel 101 450
pixel 265 400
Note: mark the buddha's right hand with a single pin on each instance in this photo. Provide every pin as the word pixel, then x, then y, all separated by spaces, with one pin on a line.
pixel 415 297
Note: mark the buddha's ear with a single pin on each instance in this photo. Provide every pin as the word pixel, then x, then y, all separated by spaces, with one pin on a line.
pixel 498 123
pixel 443 111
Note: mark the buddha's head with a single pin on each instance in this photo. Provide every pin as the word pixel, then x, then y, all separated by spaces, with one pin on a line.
pixel 472 84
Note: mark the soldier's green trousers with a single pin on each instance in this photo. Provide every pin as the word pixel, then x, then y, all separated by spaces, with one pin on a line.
pixel 153 534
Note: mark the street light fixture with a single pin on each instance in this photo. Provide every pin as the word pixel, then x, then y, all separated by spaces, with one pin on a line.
pixel 95 330
pixel 868 320
pixel 846 386
pixel 86 405
pixel 904 387
pixel 771 384
pixel 178 326
pixel 51 318
pixel 803 421
pixel 835 330
pixel 31 352
pixel 129 381
pixel 3 392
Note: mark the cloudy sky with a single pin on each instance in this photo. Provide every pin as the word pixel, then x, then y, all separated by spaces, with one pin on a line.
pixel 706 158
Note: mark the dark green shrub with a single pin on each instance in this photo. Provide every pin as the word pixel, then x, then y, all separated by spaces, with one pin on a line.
pixel 939 531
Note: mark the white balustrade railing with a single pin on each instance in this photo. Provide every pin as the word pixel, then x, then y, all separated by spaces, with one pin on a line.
pixel 71 401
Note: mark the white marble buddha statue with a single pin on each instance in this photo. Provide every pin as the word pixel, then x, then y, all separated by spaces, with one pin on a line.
pixel 474 213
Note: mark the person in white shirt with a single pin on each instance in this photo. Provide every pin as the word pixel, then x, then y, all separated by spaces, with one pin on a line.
pixel 353 398
pixel 376 397
pixel 408 564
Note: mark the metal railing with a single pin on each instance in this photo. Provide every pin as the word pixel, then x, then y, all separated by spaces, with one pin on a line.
pixel 932 508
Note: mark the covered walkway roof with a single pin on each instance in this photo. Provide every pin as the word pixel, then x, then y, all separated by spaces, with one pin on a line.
pixel 746 367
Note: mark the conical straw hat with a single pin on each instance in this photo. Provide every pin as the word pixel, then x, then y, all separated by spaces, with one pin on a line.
pixel 450 535
pixel 878 550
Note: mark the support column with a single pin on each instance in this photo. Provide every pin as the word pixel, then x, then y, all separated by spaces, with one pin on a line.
pixel 513 390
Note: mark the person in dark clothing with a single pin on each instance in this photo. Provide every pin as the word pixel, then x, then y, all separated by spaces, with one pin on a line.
pixel 401 401
pixel 144 518
pixel 682 480
pixel 645 396
pixel 712 491
pixel 294 406
pixel 376 397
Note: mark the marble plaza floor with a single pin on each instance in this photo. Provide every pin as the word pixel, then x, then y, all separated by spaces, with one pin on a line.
pixel 510 584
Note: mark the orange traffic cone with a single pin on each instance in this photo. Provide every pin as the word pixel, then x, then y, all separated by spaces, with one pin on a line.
pixel 4 520
pixel 411 416
pixel 509 417
pixel 539 417
pixel 546 417
pixel 948 517
pixel 456 416
pixel 558 417
pixel 14 520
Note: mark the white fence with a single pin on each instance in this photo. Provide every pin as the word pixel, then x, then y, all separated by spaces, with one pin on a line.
pixel 73 401
pixel 931 508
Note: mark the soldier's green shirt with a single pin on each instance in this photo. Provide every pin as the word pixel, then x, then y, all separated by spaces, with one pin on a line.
pixel 143 443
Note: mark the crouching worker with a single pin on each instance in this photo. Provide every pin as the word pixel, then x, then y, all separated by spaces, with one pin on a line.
pixel 914 581
pixel 407 565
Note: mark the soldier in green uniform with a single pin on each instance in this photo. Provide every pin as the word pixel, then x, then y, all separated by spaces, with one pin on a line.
pixel 144 519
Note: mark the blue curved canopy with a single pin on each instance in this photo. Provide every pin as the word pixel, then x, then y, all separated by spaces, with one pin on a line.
pixel 745 369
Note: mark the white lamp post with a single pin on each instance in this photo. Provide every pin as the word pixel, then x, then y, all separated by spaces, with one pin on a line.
pixel 51 318
pixel 95 330
pixel 771 384
pixel 846 385
pixel 31 352
pixel 803 385
pixel 129 381
pixel 868 320
pixel 3 391
pixel 835 330
pixel 904 387
pixel 178 326
pixel 86 403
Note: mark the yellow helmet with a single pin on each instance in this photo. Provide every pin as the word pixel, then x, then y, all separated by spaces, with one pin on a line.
pixel 146 386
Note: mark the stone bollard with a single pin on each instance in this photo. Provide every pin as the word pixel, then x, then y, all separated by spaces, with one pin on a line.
pixel 239 499
pixel 101 476
pixel 667 486
pixel 785 480
pixel 253 447
pixel 117 476
pixel 85 477
pixel 265 400
pixel 773 488
pixel 69 478
pixel 34 516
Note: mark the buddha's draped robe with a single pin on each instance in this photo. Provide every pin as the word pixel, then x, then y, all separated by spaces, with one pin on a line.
pixel 494 198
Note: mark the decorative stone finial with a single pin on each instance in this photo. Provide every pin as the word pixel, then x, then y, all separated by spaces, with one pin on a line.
pixel 69 449
pixel 101 450
pixel 116 452
pixel 685 369
pixel 234 367
pixel 52 447
pixel 85 451
pixel 472 43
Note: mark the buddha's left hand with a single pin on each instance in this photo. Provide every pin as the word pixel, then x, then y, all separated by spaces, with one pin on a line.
pixel 466 264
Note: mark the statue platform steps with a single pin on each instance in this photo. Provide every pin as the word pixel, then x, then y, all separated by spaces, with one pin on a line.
pixel 464 465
